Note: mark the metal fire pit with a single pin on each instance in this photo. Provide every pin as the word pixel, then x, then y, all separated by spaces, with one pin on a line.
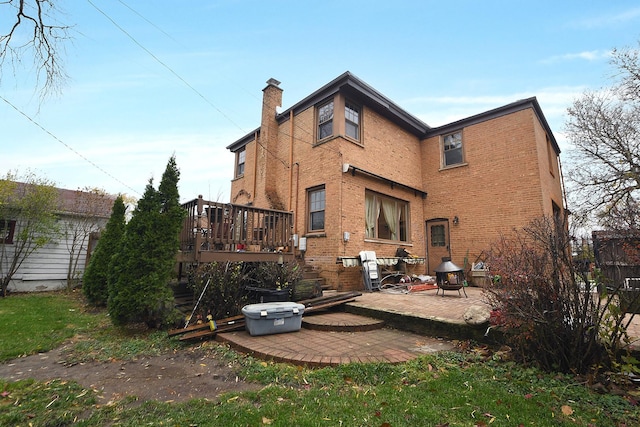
pixel 449 277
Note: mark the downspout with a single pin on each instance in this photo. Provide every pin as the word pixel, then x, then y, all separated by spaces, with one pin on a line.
pixel 255 165
pixel 563 189
pixel 295 226
pixel 344 242
pixel 291 159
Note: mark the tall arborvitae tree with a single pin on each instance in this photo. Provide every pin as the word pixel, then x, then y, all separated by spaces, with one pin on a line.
pixel 95 280
pixel 143 267
pixel 173 213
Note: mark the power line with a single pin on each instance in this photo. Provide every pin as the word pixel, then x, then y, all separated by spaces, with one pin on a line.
pixel 199 94
pixel 148 21
pixel 133 39
pixel 204 98
pixel 66 145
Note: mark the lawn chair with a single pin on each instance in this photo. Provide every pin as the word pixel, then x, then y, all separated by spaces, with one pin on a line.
pixel 370 273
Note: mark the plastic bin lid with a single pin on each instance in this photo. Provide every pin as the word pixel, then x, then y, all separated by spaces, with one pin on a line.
pixel 271 307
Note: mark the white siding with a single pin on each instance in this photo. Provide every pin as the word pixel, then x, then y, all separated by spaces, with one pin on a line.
pixel 46 269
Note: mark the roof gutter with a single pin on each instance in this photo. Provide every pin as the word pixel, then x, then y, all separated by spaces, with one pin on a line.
pixel 354 169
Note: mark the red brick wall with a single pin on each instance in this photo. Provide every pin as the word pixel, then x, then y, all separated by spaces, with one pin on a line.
pixel 384 149
pixel 504 184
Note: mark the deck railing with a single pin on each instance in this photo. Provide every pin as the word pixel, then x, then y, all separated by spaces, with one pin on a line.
pixel 214 231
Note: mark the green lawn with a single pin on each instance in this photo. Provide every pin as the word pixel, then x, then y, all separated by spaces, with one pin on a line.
pixel 449 389
pixel 32 323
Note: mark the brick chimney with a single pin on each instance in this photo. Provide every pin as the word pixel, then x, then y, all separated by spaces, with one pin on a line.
pixel 268 147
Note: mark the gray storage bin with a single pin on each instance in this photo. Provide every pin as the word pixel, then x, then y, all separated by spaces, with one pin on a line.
pixel 273 317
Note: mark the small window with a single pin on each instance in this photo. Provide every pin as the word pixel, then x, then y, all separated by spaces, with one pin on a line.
pixel 452 148
pixel 386 218
pixel 241 156
pixel 352 120
pixel 437 235
pixel 325 120
pixel 557 214
pixel 7 228
pixel 551 154
pixel 316 209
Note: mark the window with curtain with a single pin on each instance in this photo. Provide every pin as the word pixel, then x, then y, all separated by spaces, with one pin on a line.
pixel 386 218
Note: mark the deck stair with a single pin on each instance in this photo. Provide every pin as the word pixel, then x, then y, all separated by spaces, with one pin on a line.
pixel 183 297
pixel 312 273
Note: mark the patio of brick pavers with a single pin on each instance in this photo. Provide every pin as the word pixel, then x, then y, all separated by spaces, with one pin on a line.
pixel 432 315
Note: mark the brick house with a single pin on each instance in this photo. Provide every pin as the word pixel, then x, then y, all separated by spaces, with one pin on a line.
pixel 360 173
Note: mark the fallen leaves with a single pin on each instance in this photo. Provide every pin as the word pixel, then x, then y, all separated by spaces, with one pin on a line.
pixel 566 410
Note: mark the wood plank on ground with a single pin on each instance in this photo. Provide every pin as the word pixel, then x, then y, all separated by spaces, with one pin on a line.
pixel 208 333
pixel 233 323
pixel 312 309
pixel 205 325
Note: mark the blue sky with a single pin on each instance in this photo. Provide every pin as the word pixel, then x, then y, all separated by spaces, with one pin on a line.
pixel 152 78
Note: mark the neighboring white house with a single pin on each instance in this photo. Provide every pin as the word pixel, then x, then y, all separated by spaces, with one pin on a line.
pixel 80 215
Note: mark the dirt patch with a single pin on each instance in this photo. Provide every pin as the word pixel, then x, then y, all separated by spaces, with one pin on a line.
pixel 175 377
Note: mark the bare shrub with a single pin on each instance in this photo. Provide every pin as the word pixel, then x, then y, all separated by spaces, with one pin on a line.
pixel 272 275
pixel 219 289
pixel 549 310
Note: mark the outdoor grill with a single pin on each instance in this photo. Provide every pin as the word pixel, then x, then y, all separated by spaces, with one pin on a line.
pixel 449 277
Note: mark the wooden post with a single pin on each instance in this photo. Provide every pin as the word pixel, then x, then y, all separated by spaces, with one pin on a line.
pixel 198 229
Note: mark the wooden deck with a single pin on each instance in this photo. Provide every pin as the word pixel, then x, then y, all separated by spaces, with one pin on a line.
pixel 214 231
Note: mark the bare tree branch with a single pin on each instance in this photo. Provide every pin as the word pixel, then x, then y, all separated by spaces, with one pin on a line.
pixel 627 62
pixel 604 129
pixel 34 33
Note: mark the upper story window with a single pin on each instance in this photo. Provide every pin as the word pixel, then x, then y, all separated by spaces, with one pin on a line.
pixel 452 149
pixel 325 120
pixel 386 217
pixel 240 159
pixel 557 214
pixel 7 228
pixel 352 120
pixel 551 154
pixel 316 197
